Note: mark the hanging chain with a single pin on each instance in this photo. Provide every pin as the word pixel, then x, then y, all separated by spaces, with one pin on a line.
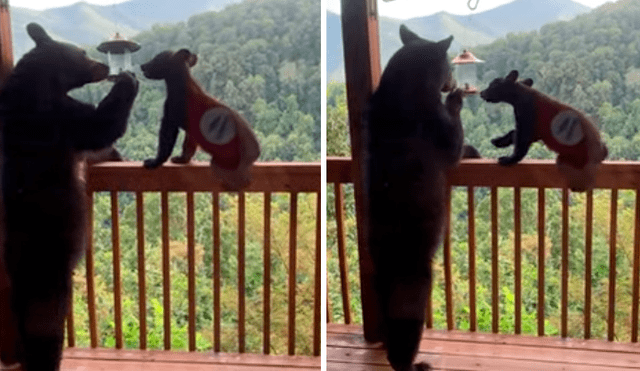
pixel 473 7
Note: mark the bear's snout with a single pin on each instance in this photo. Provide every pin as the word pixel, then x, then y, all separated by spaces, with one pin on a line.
pixel 99 72
pixel 148 71
pixel 485 95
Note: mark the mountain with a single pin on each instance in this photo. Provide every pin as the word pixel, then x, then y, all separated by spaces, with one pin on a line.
pixel 468 31
pixel 88 24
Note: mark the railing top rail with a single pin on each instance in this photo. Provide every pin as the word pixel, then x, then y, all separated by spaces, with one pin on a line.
pixel 198 177
pixel 528 173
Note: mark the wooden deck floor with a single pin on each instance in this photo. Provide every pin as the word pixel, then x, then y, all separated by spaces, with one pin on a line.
pixel 77 359
pixel 457 350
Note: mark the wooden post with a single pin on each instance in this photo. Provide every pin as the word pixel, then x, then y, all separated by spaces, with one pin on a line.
pixel 8 330
pixel 6 49
pixel 362 67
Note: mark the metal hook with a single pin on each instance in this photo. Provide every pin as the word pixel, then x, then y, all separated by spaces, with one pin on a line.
pixel 473 7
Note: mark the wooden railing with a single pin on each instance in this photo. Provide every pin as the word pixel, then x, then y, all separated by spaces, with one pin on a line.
pixel 541 180
pixel 292 179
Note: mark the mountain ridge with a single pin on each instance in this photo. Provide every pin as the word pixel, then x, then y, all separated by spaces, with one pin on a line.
pixel 88 25
pixel 468 30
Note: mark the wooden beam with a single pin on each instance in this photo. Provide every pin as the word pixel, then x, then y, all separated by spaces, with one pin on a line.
pixel 526 174
pixel 362 68
pixel 198 177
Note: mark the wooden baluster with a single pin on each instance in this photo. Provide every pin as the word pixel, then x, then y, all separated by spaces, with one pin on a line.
pixel 267 275
pixel 317 331
pixel 429 310
pixel 636 268
pixel 142 296
pixel 342 255
pixel 517 224
pixel 191 262
pixel 166 269
pixel 91 296
pixel 446 253
pixel 71 334
pixel 541 259
pixel 612 265
pixel 293 227
pixel 473 321
pixel 117 287
pixel 329 311
pixel 588 242
pixel 564 305
pixel 241 272
pixel 216 271
pixel 495 283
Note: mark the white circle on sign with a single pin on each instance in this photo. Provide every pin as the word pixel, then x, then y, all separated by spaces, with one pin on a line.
pixel 218 126
pixel 566 128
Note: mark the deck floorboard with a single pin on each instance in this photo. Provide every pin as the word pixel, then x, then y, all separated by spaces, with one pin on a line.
pixel 80 359
pixel 459 350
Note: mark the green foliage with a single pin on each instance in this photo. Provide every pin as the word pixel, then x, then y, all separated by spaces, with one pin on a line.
pixel 253 268
pixel 590 62
pixel 260 58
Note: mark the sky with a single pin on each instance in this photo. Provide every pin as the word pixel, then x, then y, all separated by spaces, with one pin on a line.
pixel 44 4
pixel 401 9
pixel 404 9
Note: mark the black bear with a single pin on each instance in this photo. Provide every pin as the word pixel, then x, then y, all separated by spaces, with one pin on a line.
pixel 413 139
pixel 207 123
pixel 44 136
pixel 562 128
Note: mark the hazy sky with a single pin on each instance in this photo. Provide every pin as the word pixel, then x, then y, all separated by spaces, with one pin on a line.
pixel 404 9
pixel 44 4
pixel 398 8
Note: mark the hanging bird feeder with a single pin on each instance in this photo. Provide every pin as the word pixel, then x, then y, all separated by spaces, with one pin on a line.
pixel 118 51
pixel 466 71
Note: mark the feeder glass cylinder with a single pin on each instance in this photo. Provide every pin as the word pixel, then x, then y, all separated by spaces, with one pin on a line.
pixel 466 71
pixel 119 62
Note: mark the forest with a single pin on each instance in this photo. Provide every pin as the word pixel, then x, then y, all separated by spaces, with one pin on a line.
pixel 261 58
pixel 591 62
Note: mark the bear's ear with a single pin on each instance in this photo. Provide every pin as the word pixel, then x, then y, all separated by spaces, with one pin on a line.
pixel 446 43
pixel 528 82
pixel 512 76
pixel 38 34
pixel 407 35
pixel 190 58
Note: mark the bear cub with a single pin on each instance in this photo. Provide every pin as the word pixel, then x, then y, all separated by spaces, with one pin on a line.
pixel 207 123
pixel 562 128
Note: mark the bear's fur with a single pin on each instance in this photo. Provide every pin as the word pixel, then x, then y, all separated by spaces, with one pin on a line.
pixel 562 128
pixel 412 140
pixel 45 134
pixel 185 98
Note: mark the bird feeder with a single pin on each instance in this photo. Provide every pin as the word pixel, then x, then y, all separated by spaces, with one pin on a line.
pixel 466 71
pixel 118 51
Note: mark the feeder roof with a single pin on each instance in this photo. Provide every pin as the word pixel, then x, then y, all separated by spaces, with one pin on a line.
pixel 118 45
pixel 465 58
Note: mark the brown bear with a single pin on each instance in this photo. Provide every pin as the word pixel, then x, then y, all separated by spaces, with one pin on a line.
pixel 562 128
pixel 412 141
pixel 45 134
pixel 207 123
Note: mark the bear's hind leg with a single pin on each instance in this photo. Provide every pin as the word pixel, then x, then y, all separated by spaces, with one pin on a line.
pixel 189 147
pixel 403 340
pixel 41 318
